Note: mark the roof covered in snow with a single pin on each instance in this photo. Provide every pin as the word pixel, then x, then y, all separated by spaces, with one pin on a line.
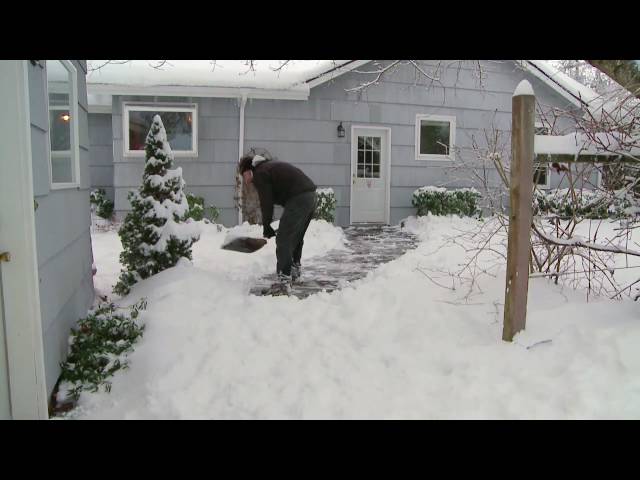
pixel 547 72
pixel 579 143
pixel 261 79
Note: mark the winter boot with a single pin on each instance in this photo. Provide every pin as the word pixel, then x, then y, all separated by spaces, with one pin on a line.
pixel 281 287
pixel 296 272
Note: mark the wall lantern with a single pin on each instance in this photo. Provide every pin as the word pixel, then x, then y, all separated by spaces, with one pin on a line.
pixel 340 130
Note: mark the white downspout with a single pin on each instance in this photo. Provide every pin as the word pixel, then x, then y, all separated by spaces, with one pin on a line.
pixel 243 102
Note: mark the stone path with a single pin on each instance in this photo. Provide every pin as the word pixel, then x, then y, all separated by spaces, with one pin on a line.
pixel 367 247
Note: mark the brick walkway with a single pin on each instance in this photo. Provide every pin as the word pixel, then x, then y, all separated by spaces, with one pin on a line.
pixel 367 247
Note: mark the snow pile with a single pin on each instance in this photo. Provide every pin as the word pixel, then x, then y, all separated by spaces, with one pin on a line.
pixel 391 345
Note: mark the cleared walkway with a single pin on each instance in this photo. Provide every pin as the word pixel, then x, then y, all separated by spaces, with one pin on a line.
pixel 367 247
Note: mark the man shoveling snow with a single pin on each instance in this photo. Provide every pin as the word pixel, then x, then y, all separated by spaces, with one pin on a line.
pixel 281 183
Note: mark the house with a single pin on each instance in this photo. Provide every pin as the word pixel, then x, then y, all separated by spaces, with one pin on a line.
pixel 372 146
pixel 46 281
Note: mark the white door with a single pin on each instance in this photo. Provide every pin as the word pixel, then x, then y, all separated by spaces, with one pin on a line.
pixel 370 162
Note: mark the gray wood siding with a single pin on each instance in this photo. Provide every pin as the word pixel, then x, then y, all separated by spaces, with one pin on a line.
pixel 304 132
pixel 101 152
pixel 63 238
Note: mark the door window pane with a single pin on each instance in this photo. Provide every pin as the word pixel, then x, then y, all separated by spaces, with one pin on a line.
pixel 376 165
pixel 369 150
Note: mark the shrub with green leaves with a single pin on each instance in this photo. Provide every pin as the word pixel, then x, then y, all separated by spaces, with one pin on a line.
pixel 104 206
pixel 440 201
pixel 198 211
pixel 98 347
pixel 593 204
pixel 326 206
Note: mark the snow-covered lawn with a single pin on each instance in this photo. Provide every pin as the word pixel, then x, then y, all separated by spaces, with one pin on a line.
pixel 392 345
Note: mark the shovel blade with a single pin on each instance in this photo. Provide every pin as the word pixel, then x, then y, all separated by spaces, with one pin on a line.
pixel 245 244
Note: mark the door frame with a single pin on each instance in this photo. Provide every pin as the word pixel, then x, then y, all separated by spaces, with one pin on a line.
pixel 387 200
pixel 20 281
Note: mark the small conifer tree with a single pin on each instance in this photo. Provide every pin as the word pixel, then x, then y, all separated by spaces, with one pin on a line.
pixel 156 233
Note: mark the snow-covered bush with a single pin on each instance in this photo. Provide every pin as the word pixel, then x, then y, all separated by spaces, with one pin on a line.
pixel 326 206
pixel 97 348
pixel 103 206
pixel 156 233
pixel 198 211
pixel 585 203
pixel 440 201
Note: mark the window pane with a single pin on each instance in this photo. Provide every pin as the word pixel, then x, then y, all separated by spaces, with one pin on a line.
pixel 376 158
pixel 368 157
pixel 360 143
pixel 177 124
pixel 376 171
pixel 434 137
pixel 376 143
pixel 367 143
pixel 61 141
pixel 540 130
pixel 61 167
pixel 60 130
pixel 540 175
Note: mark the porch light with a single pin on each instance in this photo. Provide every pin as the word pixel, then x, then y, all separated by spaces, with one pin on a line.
pixel 340 130
pixel 65 117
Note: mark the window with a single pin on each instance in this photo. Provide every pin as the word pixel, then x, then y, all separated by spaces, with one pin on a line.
pixel 369 150
pixel 540 129
pixel 435 137
pixel 180 122
pixel 541 170
pixel 541 175
pixel 62 92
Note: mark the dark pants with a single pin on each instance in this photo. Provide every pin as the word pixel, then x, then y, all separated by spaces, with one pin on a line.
pixel 294 222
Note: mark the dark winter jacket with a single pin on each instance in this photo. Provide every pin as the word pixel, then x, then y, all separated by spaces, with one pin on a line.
pixel 276 183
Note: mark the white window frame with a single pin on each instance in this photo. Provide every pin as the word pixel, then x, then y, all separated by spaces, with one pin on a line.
pixel 74 130
pixel 163 107
pixel 452 136
pixel 547 184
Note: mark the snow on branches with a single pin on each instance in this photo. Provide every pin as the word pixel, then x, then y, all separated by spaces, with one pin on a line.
pixel 156 233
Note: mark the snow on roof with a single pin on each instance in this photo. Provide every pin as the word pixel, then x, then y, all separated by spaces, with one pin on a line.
pixel 579 143
pixel 223 74
pixel 232 78
pixel 572 86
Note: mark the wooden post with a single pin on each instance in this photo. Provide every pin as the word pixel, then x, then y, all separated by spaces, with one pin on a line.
pixel 521 192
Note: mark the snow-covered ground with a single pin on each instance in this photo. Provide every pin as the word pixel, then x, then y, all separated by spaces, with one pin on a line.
pixel 392 345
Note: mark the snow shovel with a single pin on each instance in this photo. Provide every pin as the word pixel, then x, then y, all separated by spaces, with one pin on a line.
pixel 244 244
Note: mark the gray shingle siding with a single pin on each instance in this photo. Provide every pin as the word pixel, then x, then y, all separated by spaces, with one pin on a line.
pixel 63 239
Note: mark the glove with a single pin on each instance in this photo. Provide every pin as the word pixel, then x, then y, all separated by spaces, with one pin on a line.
pixel 268 232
